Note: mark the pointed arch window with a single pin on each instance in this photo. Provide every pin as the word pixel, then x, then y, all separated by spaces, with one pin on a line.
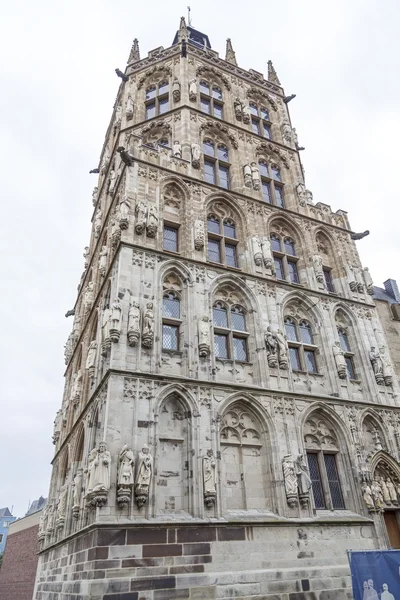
pixel 211 101
pixel 271 186
pixel 260 121
pixel 216 164
pixel 157 99
pixel 222 241
pixel 230 332
pixel 302 349
pixel 285 259
pixel 171 321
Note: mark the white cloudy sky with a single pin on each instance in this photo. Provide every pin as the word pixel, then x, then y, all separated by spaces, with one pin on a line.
pixel 57 91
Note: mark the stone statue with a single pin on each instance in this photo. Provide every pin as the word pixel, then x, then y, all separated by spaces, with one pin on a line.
pixel 377 365
pixel 193 90
pixel 387 367
pixel 385 491
pixel 176 90
pixel 68 348
pixel 133 324
pixel 301 193
pixel 62 506
pixel 282 349
pixel 152 221
pixel 112 181
pixel 303 480
pixel 257 250
pixel 115 232
pixel 359 280
pixel 237 105
pixel 129 108
pixel 177 150
pixel 272 347
pixel 57 426
pixel 77 491
pixel 99 475
pixel 247 175
pixel 105 331
pixel 368 281
pixel 196 156
pixel 209 479
pixel 76 389
pixel 94 195
pixel 392 491
pixel 118 116
pixel 377 494
pixel 105 161
pixel 143 476
pixel 204 336
pixel 286 130
pixel 267 254
pixel 295 138
pixel 339 360
pixel 123 212
pixel 50 519
pixel 115 322
pixel 88 297
pixel 42 525
pixel 141 214
pixel 199 235
pixel 86 255
pixel 255 176
pixel 91 358
pixel 148 326
pixel 97 223
pixel 126 467
pixel 351 280
pixel 103 260
pixel 246 113
pixel 290 479
pixel 367 495
pixel 318 268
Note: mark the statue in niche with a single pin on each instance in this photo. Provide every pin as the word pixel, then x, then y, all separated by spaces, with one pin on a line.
pixel 339 360
pixel 97 223
pixel 143 476
pixel 272 347
pixel 246 113
pixel 296 139
pixel 91 359
pixel 141 214
pixel 257 250
pixel 50 520
pixel 286 130
pixel 42 524
pixel 388 372
pixel 255 176
pixel 133 324
pixel 177 149
pixel 152 221
pixel 123 212
pixel 367 495
pixel 76 389
pixel 377 494
pixel 377 365
pixel 86 255
pixel 115 233
pixel 385 491
pixel 77 491
pixel 68 349
pixel 247 175
pixel 61 506
pixel 118 116
pixel 193 90
pixel 318 268
pixel 204 336
pixel 57 426
pixel 99 475
pixel 88 297
pixel 267 254
pixel 238 107
pixel 359 280
pixel 392 491
pixel 290 479
pixel 351 280
pixel 105 161
pixel 282 349
pixel 115 321
pixel 301 193
pixel 303 480
pixel 368 281
pixel 103 260
pixel 94 195
pixel 196 156
pixel 112 181
pixel 129 108
pixel 209 479
pixel 126 467
pixel 176 90
pixel 199 236
pixel 148 326
pixel 105 331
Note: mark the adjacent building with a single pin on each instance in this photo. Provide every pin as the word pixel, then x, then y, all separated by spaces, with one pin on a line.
pixel 230 423
pixel 6 518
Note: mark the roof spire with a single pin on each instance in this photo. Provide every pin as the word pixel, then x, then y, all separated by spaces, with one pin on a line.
pixel 272 76
pixel 230 55
pixel 182 33
pixel 134 55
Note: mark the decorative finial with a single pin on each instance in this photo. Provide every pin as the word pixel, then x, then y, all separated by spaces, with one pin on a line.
pixel 272 76
pixel 182 33
pixel 189 16
pixel 230 55
pixel 134 56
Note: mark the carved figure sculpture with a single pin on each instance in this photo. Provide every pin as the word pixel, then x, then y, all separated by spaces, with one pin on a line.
pixel 57 426
pixel 86 254
pixel 257 250
pixel 196 156
pixel 133 324
pixel 143 476
pixel 301 193
pixel 387 367
pixel 115 233
pixel 286 130
pixel 204 336
pixel 351 279
pixel 267 254
pixel 392 491
pixel 77 491
pixel 42 525
pixel 68 348
pixel 94 195
pixel 290 479
pixel 385 491
pixel 99 475
pixel 303 480
pixel 123 212
pixel 118 117
pixel 237 105
pixel 282 349
pixel 126 467
pixel 115 322
pixel 193 90
pixel 50 520
pixel 176 90
pixel 141 214
pixel 272 347
pixel 61 506
pixel 103 260
pixel 129 108
pixel 247 175
pixel 148 326
pixel 105 161
pixel 199 236
pixel 377 365
pixel 91 359
pixel 339 360
pixel 177 150
pixel 367 495
pixel 318 268
pixel 76 389
pixel 209 479
pixel 377 494
pixel 246 113
pixel 97 223
pixel 88 297
pixel 152 221
pixel 112 181
pixel 255 176
pixel 359 280
pixel 368 281
pixel 105 331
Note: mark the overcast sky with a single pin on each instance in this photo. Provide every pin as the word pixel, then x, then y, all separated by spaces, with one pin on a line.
pixel 58 87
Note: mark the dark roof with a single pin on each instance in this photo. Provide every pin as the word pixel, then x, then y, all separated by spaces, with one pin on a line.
pixel 4 512
pixel 381 294
pixel 195 37
pixel 36 505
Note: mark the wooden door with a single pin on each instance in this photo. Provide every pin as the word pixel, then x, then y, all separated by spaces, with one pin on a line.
pixel 392 529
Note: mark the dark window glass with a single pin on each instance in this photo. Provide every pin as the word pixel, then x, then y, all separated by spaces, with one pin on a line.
pixel 293 274
pixel 275 243
pixel 263 169
pixel 333 481
pixel 291 331
pixel 163 88
pixel 266 191
pixel 328 280
pixel 315 477
pixel 289 247
pixel 204 88
pixel 267 132
pixel 213 225
pixel 238 320
pixel 229 229
pixel 209 171
pixel 216 93
pixel 279 268
pixel 254 126
pixel 230 255
pixel 305 333
pixel 220 317
pixel 205 106
pixel 223 177
pixel 276 174
pixel 344 341
pixel 311 364
pixel 170 337
pixel 239 349
pixel 171 307
pixel 294 359
pixel 208 148
pixel 217 110
pixel 222 153
pixel 221 345
pixel 150 93
pixel 279 196
pixel 350 367
pixel 253 109
pixel 163 143
pixel 150 110
pixel 170 238
pixel 214 251
pixel 265 114
pixel 164 105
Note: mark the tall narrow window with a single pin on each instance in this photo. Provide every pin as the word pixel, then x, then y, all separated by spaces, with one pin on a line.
pixel 348 354
pixel 230 334
pixel 260 121
pixel 157 99
pixel 216 164
pixel 171 321
pixel 271 186
pixel 285 258
pixel 211 101
pixel 302 350
pixel 171 238
pixel 328 280
pixel 222 241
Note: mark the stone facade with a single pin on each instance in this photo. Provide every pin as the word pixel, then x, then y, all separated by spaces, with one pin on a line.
pixel 230 422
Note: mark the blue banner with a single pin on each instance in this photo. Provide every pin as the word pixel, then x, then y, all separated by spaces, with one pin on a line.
pixel 375 575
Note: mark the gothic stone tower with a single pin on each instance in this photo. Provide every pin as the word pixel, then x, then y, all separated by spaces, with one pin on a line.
pixel 230 420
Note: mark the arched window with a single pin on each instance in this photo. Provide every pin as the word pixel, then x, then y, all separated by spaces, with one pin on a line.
pixel 157 99
pixel 323 461
pixel 230 333
pixel 171 321
pixel 285 260
pixel 222 241
pixel 271 185
pixel 302 350
pixel 348 354
pixel 216 164
pixel 211 101
pixel 260 121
